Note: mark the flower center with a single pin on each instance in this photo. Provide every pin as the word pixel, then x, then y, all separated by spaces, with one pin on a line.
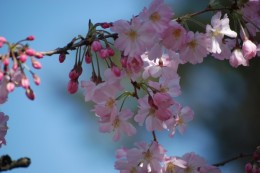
pixel 147 155
pixel 132 35
pixel 176 33
pixel 155 17
pixel 116 123
pixel 110 103
pixel 170 168
pixel 192 44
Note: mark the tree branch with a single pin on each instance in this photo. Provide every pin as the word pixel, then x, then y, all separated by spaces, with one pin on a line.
pixel 6 163
pixel 73 46
pixel 239 156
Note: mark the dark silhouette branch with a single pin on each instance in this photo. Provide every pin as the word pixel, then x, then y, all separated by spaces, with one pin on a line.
pixel 6 163
pixel 73 46
pixel 239 156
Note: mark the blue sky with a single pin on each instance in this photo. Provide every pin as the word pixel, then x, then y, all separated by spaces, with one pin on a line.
pixel 57 130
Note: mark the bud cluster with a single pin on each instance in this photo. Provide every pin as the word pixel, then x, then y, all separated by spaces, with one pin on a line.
pixel 13 65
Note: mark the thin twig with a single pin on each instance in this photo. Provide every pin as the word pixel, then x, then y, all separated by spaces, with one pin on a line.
pixel 239 156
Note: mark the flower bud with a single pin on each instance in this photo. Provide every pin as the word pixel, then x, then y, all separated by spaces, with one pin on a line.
pixel 25 83
pixel 23 58
pixel 88 58
pixel 36 64
pixel 116 71
pixel 103 53
pixel 30 52
pixel 105 25
pixel 30 38
pixel 249 49
pixel 96 46
pixel 29 93
pixel 10 86
pixel 36 79
pixel 62 57
pixel 38 55
pixel 73 86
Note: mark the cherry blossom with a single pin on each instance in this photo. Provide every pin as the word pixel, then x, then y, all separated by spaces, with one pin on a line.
pixel 216 31
pixel 3 128
pixel 133 37
pixel 157 16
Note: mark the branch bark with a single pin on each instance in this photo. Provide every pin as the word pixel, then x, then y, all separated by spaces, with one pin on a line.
pixel 6 163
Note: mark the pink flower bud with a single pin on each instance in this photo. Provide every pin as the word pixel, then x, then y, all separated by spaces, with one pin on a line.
pixel 124 62
pixel 248 168
pixel 25 83
pixel 73 86
pixel 96 46
pixel 111 52
pixel 2 41
pixel 36 79
pixel 23 58
pixel 38 55
pixel 10 86
pixel 29 93
pixel 249 49
pixel 103 53
pixel 36 64
pixel 30 38
pixel 75 72
pixel 30 52
pixel 5 61
pixel 116 71
pixel 105 25
pixel 62 57
pixel 88 59
pixel 1 75
pixel 237 59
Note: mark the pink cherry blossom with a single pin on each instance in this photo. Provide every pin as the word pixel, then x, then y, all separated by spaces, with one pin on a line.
pixel 174 36
pixel 226 46
pixel 172 162
pixel 184 115
pixel 145 158
pixel 3 128
pixel 118 123
pixel 194 49
pixel 194 162
pixel 133 37
pixel 134 67
pixel 216 31
pixel 154 111
pixel 236 59
pixel 249 49
pixel 157 16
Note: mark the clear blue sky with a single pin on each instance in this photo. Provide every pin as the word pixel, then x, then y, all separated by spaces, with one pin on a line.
pixel 57 131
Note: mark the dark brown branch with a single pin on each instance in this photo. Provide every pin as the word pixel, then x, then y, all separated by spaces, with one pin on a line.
pixel 73 46
pixel 239 156
pixel 6 163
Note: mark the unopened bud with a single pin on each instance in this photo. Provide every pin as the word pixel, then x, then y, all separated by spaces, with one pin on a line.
pixel 116 70
pixel 36 64
pixel 106 25
pixel 62 57
pixel 23 58
pixel 30 38
pixel 30 52
pixel 38 55
pixel 10 87
pixel 96 46
pixel 36 79
pixel 25 83
pixel 73 86
pixel 29 93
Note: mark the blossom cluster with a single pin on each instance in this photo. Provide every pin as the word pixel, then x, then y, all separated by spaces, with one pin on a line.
pixel 145 55
pixel 152 45
pixel 13 66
